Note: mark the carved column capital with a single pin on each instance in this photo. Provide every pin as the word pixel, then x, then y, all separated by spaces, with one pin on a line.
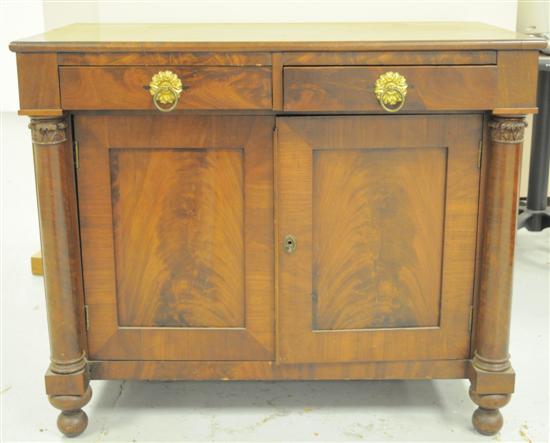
pixel 48 131
pixel 507 130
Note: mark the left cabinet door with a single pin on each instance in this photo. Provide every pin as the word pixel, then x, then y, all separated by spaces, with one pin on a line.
pixel 176 216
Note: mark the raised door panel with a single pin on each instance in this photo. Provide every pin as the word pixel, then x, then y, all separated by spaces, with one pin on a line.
pixel 383 211
pixel 373 210
pixel 176 221
pixel 178 236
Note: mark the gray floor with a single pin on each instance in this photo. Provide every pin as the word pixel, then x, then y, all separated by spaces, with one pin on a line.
pixel 230 411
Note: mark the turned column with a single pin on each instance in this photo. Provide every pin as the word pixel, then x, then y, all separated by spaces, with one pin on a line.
pixel 66 379
pixel 491 373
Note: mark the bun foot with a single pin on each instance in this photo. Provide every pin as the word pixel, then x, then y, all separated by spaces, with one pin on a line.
pixel 73 420
pixel 487 419
pixel 72 423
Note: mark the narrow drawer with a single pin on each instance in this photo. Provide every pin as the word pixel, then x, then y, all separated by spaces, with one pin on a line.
pixel 96 88
pixel 352 88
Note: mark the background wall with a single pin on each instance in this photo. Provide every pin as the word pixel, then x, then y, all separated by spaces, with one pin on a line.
pixel 21 18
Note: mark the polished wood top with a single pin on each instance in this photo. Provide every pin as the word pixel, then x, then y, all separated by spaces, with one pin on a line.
pixel 276 37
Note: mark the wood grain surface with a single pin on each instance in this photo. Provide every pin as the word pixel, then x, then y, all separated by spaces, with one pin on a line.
pixel 517 81
pixel 351 88
pixel 401 259
pixel 401 58
pixel 269 370
pixel 491 374
pixel 503 159
pixel 378 217
pixel 60 255
pixel 38 82
pixel 165 58
pixel 126 87
pixel 177 234
pixel 376 36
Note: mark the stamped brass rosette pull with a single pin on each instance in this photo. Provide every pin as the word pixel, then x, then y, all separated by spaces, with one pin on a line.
pixel 391 90
pixel 165 87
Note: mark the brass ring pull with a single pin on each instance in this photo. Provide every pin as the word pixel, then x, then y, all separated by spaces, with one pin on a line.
pixel 391 90
pixel 165 87
pixel 400 100
pixel 163 92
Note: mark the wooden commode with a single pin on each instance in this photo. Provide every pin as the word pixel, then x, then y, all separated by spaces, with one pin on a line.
pixel 278 202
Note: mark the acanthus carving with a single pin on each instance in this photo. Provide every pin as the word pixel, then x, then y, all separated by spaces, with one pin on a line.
pixel 48 131
pixel 508 130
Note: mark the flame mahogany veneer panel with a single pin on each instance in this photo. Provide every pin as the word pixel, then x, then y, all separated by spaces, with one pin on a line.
pixel 178 218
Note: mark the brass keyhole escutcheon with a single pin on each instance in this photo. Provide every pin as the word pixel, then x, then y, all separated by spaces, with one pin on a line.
pixel 289 244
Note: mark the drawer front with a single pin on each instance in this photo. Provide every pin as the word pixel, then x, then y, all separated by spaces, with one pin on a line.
pixel 90 88
pixel 352 88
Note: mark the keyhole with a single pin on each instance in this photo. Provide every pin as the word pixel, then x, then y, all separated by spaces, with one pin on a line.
pixel 290 244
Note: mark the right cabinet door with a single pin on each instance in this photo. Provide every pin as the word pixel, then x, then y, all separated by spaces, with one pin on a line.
pixel 377 221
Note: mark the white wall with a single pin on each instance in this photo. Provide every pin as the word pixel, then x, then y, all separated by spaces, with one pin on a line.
pixel 57 14
pixel 503 14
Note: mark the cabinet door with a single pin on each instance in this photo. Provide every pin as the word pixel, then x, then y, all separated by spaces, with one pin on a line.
pixel 383 212
pixel 176 220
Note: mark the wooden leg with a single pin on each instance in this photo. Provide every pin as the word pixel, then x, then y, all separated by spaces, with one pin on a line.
pixel 67 377
pixel 72 420
pixel 491 374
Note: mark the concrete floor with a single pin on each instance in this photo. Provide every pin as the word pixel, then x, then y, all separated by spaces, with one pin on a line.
pixel 248 411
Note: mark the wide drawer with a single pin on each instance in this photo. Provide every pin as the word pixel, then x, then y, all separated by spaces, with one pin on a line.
pixel 352 88
pixel 115 88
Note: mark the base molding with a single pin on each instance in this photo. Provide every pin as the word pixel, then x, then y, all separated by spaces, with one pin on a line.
pixel 270 370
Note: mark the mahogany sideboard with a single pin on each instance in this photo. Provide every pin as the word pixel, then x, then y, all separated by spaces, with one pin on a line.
pixel 278 202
